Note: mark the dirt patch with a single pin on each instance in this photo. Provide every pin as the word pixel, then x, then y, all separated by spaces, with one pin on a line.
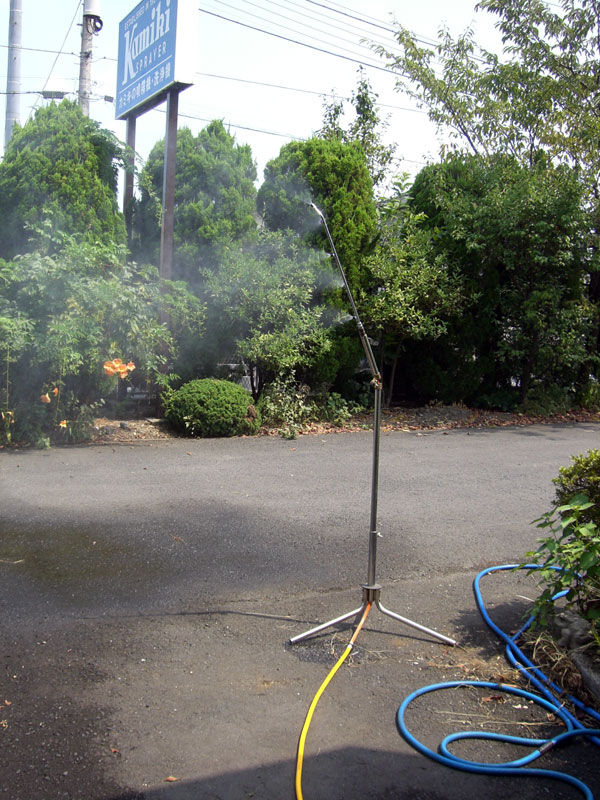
pixel 434 417
pixel 130 430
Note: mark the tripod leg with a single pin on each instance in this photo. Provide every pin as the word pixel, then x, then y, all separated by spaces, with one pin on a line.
pixel 416 625
pixel 325 625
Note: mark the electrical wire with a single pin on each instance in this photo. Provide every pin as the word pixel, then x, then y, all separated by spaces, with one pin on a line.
pixel 322 19
pixel 235 125
pixel 547 700
pixel 298 22
pixel 60 52
pixel 316 698
pixel 295 41
pixel 304 91
pixel 44 50
pixel 375 24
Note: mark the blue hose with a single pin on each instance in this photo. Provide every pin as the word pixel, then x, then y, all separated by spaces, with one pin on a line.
pixel 547 701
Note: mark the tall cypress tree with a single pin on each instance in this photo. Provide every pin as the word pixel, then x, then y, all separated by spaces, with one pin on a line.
pixel 60 167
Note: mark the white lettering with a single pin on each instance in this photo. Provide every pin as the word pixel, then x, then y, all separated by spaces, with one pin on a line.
pixel 136 45
pixel 128 66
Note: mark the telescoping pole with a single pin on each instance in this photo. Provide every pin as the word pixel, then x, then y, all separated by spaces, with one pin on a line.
pixel 371 589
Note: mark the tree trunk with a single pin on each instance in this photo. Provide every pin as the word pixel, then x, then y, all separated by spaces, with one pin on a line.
pixel 390 392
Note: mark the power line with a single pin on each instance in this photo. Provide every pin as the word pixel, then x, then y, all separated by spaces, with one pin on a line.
pixel 350 16
pixel 320 18
pixel 295 41
pixel 305 91
pixel 270 133
pixel 287 28
pixel 379 24
pixel 237 126
pixel 44 50
pixel 31 91
pixel 56 59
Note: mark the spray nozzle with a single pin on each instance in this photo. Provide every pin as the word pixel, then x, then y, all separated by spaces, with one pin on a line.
pixel 318 210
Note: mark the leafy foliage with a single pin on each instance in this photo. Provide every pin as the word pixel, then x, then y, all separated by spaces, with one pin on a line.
pixel 513 238
pixel 413 294
pixel 569 557
pixel 570 554
pixel 210 407
pixel 268 296
pixel 334 175
pixel 541 95
pixel 287 405
pixel 366 129
pixel 582 476
pixel 538 103
pixel 59 166
pixel 290 406
pixel 64 314
pixel 215 198
pixel 551 80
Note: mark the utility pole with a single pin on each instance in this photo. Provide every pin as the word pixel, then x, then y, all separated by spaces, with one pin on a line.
pixel 92 23
pixel 13 72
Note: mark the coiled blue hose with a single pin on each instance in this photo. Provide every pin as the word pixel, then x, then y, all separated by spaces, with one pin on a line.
pixel 547 701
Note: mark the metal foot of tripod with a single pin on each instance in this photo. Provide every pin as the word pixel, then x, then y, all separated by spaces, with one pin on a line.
pixel 371 589
pixel 370 595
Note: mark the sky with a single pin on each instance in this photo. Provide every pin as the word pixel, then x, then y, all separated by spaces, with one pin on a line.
pixel 253 68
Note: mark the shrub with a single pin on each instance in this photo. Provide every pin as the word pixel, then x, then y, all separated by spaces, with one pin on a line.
pixel 547 400
pixel 290 405
pixel 569 561
pixel 581 477
pixel 569 554
pixel 285 404
pixel 62 316
pixel 210 407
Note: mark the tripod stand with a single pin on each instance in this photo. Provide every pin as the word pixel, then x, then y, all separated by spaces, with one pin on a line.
pixel 370 590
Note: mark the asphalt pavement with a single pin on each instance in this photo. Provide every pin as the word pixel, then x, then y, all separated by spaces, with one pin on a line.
pixel 148 592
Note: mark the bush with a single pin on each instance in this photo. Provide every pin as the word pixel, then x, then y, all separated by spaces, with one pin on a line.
pixel 210 407
pixel 581 477
pixel 548 400
pixel 569 554
pixel 289 405
pixel 62 316
pixel 569 561
pixel 286 405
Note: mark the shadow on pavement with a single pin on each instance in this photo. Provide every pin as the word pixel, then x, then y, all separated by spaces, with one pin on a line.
pixel 352 774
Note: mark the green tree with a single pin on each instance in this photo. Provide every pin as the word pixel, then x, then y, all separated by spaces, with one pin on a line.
pixel 266 294
pixel 542 93
pixel 60 166
pixel 553 74
pixel 69 307
pixel 334 175
pixel 215 199
pixel 367 128
pixel 414 295
pixel 514 238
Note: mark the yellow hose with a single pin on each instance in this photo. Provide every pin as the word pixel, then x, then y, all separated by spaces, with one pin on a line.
pixel 316 699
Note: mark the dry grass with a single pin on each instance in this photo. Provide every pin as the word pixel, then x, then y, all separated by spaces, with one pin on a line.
pixel 555 662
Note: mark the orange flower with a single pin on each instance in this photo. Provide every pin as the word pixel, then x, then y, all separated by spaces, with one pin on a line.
pixel 63 423
pixel 117 367
pixel 45 398
pixel 55 391
pixel 110 368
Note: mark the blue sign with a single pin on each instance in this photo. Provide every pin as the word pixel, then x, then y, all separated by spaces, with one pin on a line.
pixel 148 55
